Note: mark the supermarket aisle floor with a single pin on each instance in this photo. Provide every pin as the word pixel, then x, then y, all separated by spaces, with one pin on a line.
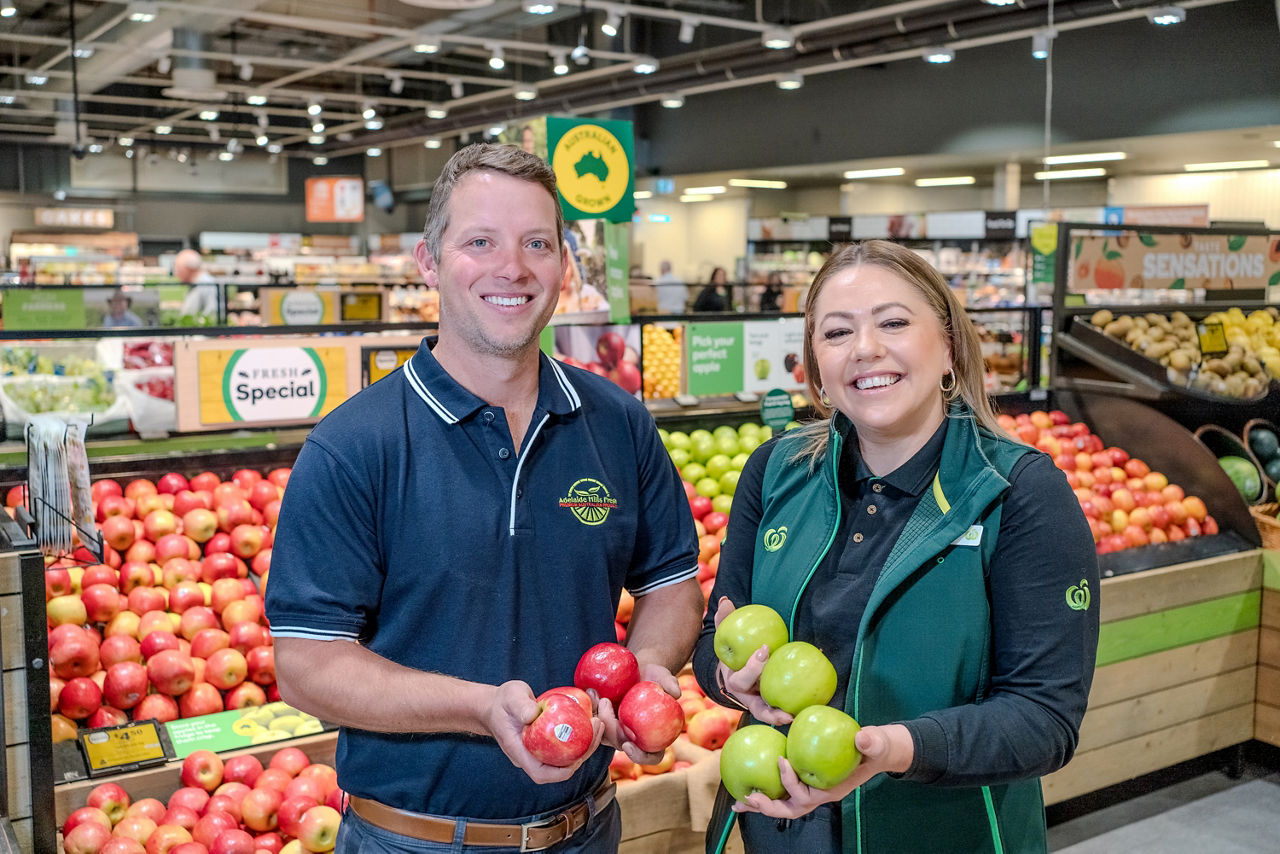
pixel 1209 812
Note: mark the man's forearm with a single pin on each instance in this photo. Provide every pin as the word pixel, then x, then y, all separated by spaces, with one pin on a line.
pixel 665 623
pixel 344 683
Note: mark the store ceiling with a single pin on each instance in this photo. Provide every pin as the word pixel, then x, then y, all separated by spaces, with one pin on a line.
pixel 141 66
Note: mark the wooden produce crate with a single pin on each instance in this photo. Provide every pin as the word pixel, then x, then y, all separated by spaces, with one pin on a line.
pixel 668 813
pixel 1177 671
pixel 1266 723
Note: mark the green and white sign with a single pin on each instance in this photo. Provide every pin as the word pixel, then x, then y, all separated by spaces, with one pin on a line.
pixel 592 159
pixel 617 269
pixel 776 409
pixel 773 352
pixel 44 308
pixel 239 728
pixel 715 358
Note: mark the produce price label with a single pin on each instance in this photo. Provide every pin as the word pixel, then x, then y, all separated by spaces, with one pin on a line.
pixel 238 728
pixel 361 306
pixel 773 354
pixel 1213 339
pixel 62 308
pixel 299 306
pixel 380 361
pixel 114 748
pixel 715 358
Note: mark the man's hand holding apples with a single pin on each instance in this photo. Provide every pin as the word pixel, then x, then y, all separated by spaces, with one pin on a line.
pixel 514 709
pixel 615 733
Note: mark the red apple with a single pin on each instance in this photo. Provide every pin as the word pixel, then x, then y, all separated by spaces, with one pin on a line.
pixel 280 476
pixel 125 684
pixel 143 599
pixel 583 698
pixel 324 774
pixel 105 716
pixel 141 552
pixel 171 672
pixel 710 728
pixel 119 648
pixel 175 545
pixel 290 760
pixel 135 574
pixel 304 787
pixel 219 565
pixel 700 506
pixel 87 838
pixel 203 769
pixel 102 488
pixel 609 669
pixel 274 778
pixel 149 807
pixel 166 838
pixel 200 524
pixel 232 841
pixel 136 827
pixel 79 698
pixel 244 695
pixel 171 483
pixel 246 610
pixel 219 543
pixel 57 582
pixel 289 816
pixel 225 804
pixel 116 505
pixel 194 798
pixel 200 699
pixel 650 717
pixel 245 636
pixel 561 733
pixel 205 480
pixel 232 514
pixel 55 690
pixel 208 641
pixel 197 618
pixel 179 569
pixel 246 540
pixel 225 669
pixel 186 500
pixel 261 661
pixel 211 823
pixel 244 768
pixel 181 816
pixel 158 641
pixel 73 652
pixel 118 532
pixel 260 807
pixel 110 798
pixel 122 845
pixel 101 602
pixel 319 828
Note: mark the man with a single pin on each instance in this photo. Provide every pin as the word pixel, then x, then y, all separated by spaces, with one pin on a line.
pixel 455 536
pixel 202 297
pixel 119 312
pixel 672 292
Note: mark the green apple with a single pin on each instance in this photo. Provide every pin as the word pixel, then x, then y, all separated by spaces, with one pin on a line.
pixel 750 428
pixel 749 443
pixel 699 434
pixel 703 448
pixel 693 472
pixel 724 430
pixel 665 436
pixel 740 460
pixel 678 439
pixel 718 465
pixel 728 445
pixel 820 746
pixel 749 762
pixel 721 503
pixel 796 676
pixel 746 630
pixel 762 369
pixel 766 433
pixel 680 457
pixel 707 486
pixel 729 482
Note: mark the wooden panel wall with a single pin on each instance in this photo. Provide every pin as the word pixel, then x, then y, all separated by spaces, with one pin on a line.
pixel 1178 657
pixel 1267 719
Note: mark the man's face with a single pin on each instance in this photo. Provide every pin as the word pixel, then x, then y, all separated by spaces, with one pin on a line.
pixel 117 305
pixel 500 265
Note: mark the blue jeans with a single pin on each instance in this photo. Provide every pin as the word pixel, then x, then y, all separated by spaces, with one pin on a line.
pixel 356 836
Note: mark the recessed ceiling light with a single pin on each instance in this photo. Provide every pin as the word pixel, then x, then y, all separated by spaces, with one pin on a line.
pixel 209 115
pixel 320 160
pixel 82 52
pixel 1226 165
pixel 645 65
pixel 429 44
pixel 163 129
pixel 316 139
pixel 431 142
pixel 757 183
pixel 1094 172
pixel 539 7
pixel 950 181
pixel 373 152
pixel 373 124
pixel 226 156
pixel 437 111
pixel 704 191
pixel 1097 157
pixel 526 93
pixel 37 79
pixel 938 55
pixel 1165 16
pixel 696 197
pixel 7 9
pixel 256 100
pixel 142 13
pixel 887 172
pixel 126 141
pixel 777 38
pixel 791 81
pixel 672 102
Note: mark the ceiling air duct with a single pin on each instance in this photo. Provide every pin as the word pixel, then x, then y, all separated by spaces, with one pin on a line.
pixel 193 79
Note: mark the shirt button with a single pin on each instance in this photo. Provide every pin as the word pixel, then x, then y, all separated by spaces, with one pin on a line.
pixel 871 509
pixel 488 417
pixel 519 492
pixel 857 538
pixel 877 487
pixel 503 454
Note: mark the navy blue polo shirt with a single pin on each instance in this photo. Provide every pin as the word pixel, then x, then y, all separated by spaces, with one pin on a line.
pixel 412 526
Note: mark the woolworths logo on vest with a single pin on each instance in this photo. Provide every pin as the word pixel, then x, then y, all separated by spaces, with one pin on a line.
pixel 273 384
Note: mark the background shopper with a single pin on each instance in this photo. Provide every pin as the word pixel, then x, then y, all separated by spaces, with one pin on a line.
pixel 202 295
pixel 714 296
pixel 455 536
pixel 942 594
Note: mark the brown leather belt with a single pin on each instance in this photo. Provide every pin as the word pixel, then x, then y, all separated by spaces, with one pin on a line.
pixel 534 836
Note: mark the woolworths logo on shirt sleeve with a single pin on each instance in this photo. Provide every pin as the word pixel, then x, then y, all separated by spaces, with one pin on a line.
pixel 274 384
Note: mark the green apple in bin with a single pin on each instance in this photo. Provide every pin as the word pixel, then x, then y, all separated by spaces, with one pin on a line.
pixel 749 762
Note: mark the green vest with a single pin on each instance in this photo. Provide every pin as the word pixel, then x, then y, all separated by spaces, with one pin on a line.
pixel 924 641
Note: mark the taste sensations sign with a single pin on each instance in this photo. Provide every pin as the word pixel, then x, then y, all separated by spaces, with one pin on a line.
pixel 1127 259
pixel 592 159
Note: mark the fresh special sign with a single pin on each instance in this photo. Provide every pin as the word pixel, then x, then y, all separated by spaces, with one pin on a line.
pixel 270 384
pixel 592 160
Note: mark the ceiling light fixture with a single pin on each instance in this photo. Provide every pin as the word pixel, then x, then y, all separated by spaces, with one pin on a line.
pixel 497 130
pixel 163 129
pixel 274 148
pixel 246 71
pixel 256 100
pixel 951 181
pixel 81 52
pixel 999 2
pixel 777 38
pixel 1096 157
pixel 35 79
pixel 886 172
pixel 209 115
pixel 368 112
pixel 580 55
pixel 696 197
pixel 7 9
pixel 432 142
pixel 687 28
pixel 316 139
pixel 704 191
pixel 7 99
pixel 317 127
pixel 560 63
pixel 526 93
pixel 1226 165
pixel 1093 172
pixel 313 109
pixel 1167 16
pixel 262 139
pixel 163 64
pixel 374 123
pixel 373 152
pixel 226 156
pixel 939 55
pixel 437 111
pixel 791 81
pixel 142 13
pixel 127 141
pixel 95 148
pixel 673 102
pixel 320 160
pixel 455 87
pixel 429 44
pixel 496 60
pixel 1040 44
pixel 642 194
pixel 396 83
pixel 645 65
pixel 539 7
pixel 757 184
pixel 612 20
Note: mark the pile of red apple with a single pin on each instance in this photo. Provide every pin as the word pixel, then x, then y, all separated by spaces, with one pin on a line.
pixel 171 624
pixel 234 807
pixel 614 361
pixel 1126 503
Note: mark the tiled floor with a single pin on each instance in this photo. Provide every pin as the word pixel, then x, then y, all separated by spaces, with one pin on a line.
pixel 1209 813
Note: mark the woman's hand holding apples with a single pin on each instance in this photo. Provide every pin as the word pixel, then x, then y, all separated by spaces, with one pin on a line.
pixel 883 748
pixel 514 707
pixel 744 684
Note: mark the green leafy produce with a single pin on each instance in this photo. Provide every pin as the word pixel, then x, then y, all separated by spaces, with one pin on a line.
pixel 35 395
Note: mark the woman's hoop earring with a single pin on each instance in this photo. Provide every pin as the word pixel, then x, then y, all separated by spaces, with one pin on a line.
pixel 948 390
pixel 822 396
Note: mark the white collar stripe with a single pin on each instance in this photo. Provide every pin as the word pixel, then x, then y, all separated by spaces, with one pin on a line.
pixel 569 391
pixel 416 383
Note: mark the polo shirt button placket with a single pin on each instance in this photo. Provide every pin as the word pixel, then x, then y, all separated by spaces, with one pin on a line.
pixel 488 416
pixel 503 453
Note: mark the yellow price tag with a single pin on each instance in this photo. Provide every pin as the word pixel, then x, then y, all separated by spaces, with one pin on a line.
pixel 362 306
pixel 128 744
pixel 1213 338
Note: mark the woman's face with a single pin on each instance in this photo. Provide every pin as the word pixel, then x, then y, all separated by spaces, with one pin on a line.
pixel 881 353
pixel 718 276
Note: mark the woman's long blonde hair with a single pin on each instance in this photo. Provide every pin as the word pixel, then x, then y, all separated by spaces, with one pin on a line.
pixel 962 336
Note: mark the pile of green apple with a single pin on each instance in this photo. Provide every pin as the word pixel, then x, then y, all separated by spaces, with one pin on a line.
pixel 712 460
pixel 799 680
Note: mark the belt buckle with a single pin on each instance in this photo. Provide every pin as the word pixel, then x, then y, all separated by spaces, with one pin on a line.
pixel 559 818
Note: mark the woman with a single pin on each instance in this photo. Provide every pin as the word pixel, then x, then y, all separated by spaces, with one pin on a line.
pixel 710 297
pixel 771 296
pixel 929 556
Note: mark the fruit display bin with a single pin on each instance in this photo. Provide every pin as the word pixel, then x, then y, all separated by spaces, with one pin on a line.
pixel 1223 443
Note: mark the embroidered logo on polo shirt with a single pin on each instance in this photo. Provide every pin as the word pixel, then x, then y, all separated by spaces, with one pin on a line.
pixel 774 538
pixel 1078 596
pixel 589 500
